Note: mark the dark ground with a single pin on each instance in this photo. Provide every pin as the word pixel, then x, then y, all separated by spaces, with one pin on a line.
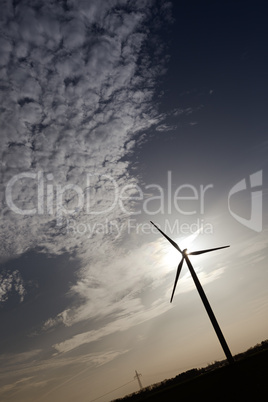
pixel 246 379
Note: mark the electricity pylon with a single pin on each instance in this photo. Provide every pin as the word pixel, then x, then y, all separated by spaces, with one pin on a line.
pixel 138 378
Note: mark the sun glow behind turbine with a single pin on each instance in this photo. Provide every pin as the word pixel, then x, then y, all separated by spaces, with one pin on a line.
pixel 170 255
pixel 188 240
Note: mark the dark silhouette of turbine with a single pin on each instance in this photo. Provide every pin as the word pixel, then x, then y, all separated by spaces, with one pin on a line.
pixel 199 288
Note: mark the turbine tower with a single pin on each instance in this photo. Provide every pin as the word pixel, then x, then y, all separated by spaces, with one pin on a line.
pixel 200 290
pixel 138 378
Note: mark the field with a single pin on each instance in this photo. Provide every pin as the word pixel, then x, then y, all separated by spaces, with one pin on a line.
pixel 246 379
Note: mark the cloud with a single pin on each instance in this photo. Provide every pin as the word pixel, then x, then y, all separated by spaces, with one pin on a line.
pixel 165 127
pixel 25 371
pixel 135 313
pixel 114 284
pixel 16 384
pixel 97 359
pixel 80 91
pixel 11 282
pixel 80 97
pixel 16 359
pixel 124 300
pixel 251 249
pixel 22 364
pixel 133 318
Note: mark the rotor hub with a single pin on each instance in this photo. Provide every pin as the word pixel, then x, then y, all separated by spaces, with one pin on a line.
pixel 184 252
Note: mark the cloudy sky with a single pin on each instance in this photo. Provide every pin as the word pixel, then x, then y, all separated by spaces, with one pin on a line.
pixel 115 113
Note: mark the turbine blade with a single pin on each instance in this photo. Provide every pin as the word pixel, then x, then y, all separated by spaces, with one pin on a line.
pixel 206 251
pixel 168 238
pixel 177 277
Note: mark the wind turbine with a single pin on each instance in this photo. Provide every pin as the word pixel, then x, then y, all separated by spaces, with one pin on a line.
pixel 201 292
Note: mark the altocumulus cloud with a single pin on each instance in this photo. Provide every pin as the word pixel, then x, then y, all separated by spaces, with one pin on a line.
pixel 78 82
pixel 11 282
pixel 78 86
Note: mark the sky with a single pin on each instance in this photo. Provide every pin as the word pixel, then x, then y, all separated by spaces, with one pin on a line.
pixel 116 113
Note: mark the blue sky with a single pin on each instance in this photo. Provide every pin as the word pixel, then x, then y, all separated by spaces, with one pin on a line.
pixel 113 114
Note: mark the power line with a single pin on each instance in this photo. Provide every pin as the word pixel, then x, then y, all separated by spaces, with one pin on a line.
pixel 107 393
